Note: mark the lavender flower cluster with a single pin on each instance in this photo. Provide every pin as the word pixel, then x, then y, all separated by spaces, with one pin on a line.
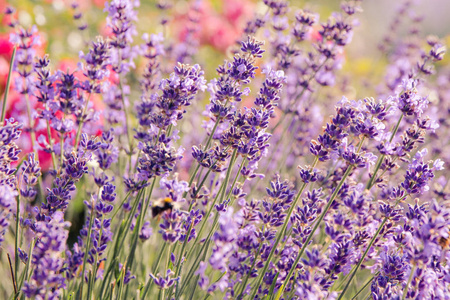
pixel 163 184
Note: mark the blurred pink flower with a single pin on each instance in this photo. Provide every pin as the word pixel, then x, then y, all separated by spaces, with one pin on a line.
pixel 218 29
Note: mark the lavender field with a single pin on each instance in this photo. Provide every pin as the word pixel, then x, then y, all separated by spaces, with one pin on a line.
pixel 235 149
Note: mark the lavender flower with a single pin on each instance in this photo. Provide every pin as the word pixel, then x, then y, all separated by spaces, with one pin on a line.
pixel 73 168
pixel 30 175
pixel 95 65
pixel 26 40
pixel 8 205
pixel 121 15
pixel 9 134
pixel 47 280
pixel 166 281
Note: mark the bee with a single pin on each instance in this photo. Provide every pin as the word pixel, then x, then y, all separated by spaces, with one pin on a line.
pixel 161 205
pixel 444 242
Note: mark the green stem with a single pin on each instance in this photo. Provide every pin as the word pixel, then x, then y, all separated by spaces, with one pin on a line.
pixel 80 126
pixel 310 236
pixel 88 244
pixel 8 83
pixel 33 144
pixel 364 286
pixel 208 142
pixel 95 264
pixel 13 278
pixel 177 272
pixel 167 267
pixel 277 144
pixel 50 140
pixel 197 259
pixel 137 227
pixel 196 280
pixel 238 174
pixel 27 267
pixel 155 268
pixel 120 240
pixel 405 292
pixel 61 146
pixel 121 204
pixel 106 278
pixel 367 251
pixel 244 282
pixel 127 122
pixel 280 235
pixel 220 192
pixel 120 282
pixel 16 238
pixel 371 182
pixel 199 188
pixel 158 260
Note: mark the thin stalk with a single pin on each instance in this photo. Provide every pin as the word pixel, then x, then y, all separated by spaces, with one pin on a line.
pixel 89 283
pixel 178 270
pixel 343 280
pixel 147 204
pixel 280 235
pixel 137 227
pixel 8 83
pixel 158 260
pixel 367 251
pixel 195 284
pixel 199 188
pixel 247 276
pixel 206 296
pixel 121 204
pixel 127 122
pixel 121 284
pixel 119 242
pixel 203 180
pixel 27 267
pixel 223 187
pixel 80 126
pixel 301 94
pixel 208 142
pixel 277 144
pixel 50 140
pixel 364 287
pixel 19 164
pixel 222 193
pixel 88 244
pixel 112 291
pixel 192 178
pixel 371 183
pixel 197 260
pixel 61 150
pixel 167 267
pixel 405 291
pixel 310 236
pixel 105 279
pixel 12 275
pixel 33 144
pixel 238 174
pixel 95 264
pixel 16 238
pixel 155 268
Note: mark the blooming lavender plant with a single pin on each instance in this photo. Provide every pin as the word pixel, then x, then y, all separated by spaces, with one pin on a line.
pixel 293 185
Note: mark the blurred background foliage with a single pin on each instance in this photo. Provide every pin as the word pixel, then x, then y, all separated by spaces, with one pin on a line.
pixel 221 22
